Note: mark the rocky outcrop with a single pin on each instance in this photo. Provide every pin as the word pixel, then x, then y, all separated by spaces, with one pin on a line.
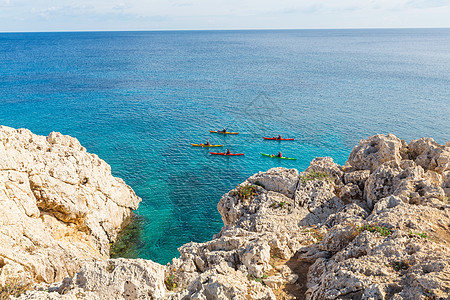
pixel 376 150
pixel 376 228
pixel 60 206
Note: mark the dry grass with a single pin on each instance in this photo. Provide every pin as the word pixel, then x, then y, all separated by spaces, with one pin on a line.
pixel 15 287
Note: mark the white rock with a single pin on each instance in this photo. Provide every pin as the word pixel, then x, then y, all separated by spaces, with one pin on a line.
pixel 375 151
pixel 60 205
pixel 274 282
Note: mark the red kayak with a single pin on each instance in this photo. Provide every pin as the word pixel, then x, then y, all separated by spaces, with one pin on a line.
pixel 222 153
pixel 277 139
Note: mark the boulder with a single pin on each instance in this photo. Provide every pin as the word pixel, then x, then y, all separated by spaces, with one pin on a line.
pixel 280 180
pixel 375 151
pixel 430 155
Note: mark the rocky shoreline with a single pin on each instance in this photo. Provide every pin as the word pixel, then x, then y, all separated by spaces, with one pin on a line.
pixel 376 228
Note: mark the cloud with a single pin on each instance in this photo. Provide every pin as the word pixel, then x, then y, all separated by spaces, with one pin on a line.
pixel 217 14
pixel 427 3
pixel 182 4
pixel 122 6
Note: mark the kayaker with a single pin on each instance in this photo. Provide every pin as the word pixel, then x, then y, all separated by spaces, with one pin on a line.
pixel 279 154
pixel 279 137
pixel 224 130
pixel 228 152
pixel 207 142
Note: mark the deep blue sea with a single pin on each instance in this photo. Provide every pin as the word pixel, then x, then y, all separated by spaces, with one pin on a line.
pixel 138 99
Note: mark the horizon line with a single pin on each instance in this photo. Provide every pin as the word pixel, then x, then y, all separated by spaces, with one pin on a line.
pixel 224 29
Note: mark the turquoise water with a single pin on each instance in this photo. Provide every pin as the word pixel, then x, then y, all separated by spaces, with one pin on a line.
pixel 137 99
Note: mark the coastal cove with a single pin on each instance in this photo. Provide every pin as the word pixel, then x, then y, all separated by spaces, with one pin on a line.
pixel 138 99
pixel 374 228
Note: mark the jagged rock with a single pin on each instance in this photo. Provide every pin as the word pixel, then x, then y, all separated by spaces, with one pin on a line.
pixel 291 278
pixel 327 165
pixel 430 155
pixel 223 282
pixel 112 279
pixel 371 261
pixel 350 193
pixel 319 198
pixel 60 205
pixel 402 180
pixel 357 177
pixel 284 270
pixel 375 151
pixel 338 237
pixel 278 180
pixel 351 214
pixel 274 282
pixel 446 183
pixel 389 241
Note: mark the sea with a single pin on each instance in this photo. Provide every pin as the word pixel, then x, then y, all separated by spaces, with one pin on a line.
pixel 138 99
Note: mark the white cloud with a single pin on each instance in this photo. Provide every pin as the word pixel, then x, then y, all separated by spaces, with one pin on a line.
pixel 122 6
pixel 216 14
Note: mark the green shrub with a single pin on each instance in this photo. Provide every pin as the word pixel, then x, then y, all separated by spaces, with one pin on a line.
pixel 245 191
pixel 419 234
pixel 257 279
pixel 381 230
pixel 170 282
pixel 279 204
pixel 314 176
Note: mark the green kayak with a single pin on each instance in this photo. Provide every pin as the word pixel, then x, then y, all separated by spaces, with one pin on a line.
pixel 271 155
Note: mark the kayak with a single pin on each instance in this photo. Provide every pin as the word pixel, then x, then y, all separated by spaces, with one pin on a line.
pixel 277 139
pixel 271 155
pixel 204 145
pixel 224 154
pixel 218 131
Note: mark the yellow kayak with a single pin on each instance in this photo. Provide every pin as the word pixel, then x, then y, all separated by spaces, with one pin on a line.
pixel 219 131
pixel 204 145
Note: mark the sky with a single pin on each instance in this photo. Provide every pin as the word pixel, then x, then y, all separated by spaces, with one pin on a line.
pixel 81 15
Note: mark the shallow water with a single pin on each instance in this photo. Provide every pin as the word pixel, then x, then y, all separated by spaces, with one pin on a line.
pixel 138 99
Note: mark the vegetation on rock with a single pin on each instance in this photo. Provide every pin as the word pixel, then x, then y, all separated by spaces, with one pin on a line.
pixel 314 175
pixel 374 228
pixel 245 191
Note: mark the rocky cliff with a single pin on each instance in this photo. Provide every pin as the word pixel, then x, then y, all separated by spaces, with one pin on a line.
pixel 376 228
pixel 59 207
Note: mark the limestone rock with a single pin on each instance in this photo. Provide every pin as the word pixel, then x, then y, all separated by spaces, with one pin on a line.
pixel 60 206
pixel 403 180
pixel 378 228
pixel 274 282
pixel 319 198
pixel 350 214
pixel 357 178
pixel 430 155
pixel 350 193
pixel 375 151
pixel 328 166
pixel 223 283
pixel 111 279
pixel 278 180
